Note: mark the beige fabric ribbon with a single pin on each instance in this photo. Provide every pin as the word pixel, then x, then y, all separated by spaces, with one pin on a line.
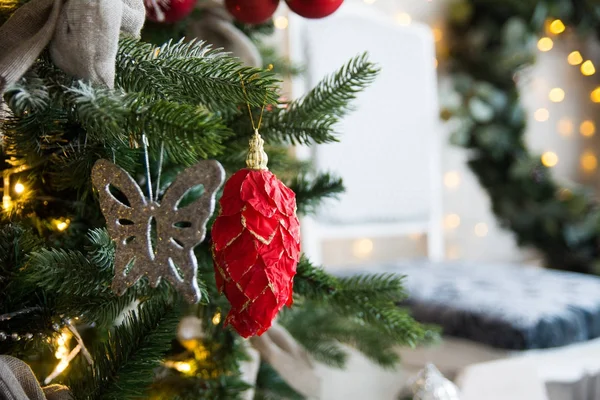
pixel 291 361
pixel 83 36
pixel 215 26
pixel 17 382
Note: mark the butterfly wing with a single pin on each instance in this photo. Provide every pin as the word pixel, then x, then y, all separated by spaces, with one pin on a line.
pixel 127 221
pixel 181 229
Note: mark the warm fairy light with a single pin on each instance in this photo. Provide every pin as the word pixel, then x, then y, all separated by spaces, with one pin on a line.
pixel 435 63
pixel 403 18
pixel 595 95
pixel 7 202
pixel 541 114
pixel 362 248
pixel 587 128
pixel 61 225
pixel 452 221
pixel 557 27
pixel 575 58
pixel 19 188
pixel 587 68
pixel 438 34
pixel 481 229
pixel 281 22
pixel 62 365
pixel 185 367
pixel 556 95
pixel 451 179
pixel 588 161
pixel 565 127
pixel 545 44
pixel 216 318
pixel 549 159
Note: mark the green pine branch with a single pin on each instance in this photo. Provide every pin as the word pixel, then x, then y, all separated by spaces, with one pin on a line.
pixel 311 192
pixel 312 117
pixel 124 365
pixel 192 72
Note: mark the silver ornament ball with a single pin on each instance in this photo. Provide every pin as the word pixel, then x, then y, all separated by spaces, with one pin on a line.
pixel 430 384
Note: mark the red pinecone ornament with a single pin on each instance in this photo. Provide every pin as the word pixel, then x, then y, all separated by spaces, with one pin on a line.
pixel 256 245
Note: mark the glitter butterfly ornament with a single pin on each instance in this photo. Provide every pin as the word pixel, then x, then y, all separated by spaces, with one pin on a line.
pixel 131 219
pixel 256 243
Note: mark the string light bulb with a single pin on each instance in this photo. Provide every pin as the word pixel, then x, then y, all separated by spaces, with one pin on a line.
pixel 565 127
pixel 481 229
pixel 19 188
pixel 574 58
pixel 281 22
pixel 452 221
pixel 545 44
pixel 451 179
pixel 595 95
pixel 62 224
pixel 587 128
pixel 557 27
pixel 549 159
pixel 556 95
pixel 216 318
pixel 588 161
pixel 588 68
pixel 541 114
pixel 362 248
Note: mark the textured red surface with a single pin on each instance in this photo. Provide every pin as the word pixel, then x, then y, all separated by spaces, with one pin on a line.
pixel 314 8
pixel 252 11
pixel 256 247
pixel 174 10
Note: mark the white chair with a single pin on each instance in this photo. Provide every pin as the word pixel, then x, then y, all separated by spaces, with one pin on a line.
pixel 389 153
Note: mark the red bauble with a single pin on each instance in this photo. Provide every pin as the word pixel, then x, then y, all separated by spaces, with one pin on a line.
pixel 256 248
pixel 252 11
pixel 314 8
pixel 168 11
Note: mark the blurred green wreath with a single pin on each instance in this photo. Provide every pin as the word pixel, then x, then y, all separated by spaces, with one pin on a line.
pixel 490 42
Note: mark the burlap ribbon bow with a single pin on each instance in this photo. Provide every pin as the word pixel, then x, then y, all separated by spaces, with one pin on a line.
pixel 83 36
pixel 17 382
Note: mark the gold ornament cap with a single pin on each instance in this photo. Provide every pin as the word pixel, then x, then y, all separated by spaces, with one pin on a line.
pixel 257 158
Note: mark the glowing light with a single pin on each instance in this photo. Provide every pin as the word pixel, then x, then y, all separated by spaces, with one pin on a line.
pixel 19 188
pixel 369 1
pixel 61 225
pixel 183 367
pixel 587 68
pixel 216 318
pixel 575 58
pixel 362 248
pixel 545 44
pixel 541 114
pixel 587 128
pixel 6 202
pixel 549 159
pixel 403 19
pixel 588 161
pixel 451 221
pixel 556 95
pixel 481 229
pixel 435 63
pixel 281 22
pixel 595 95
pixel 565 127
pixel 438 34
pixel 451 179
pixel 557 27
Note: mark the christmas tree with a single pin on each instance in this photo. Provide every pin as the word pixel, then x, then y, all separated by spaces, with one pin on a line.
pixel 152 113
